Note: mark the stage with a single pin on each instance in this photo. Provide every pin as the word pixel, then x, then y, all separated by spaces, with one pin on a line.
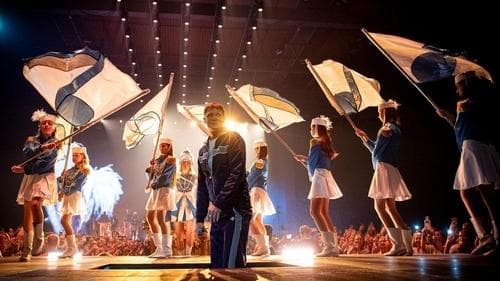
pixel 351 267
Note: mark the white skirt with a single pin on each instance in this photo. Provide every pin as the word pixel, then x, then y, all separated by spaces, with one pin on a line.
pixel 185 211
pixel 387 182
pixel 73 204
pixel 43 186
pixel 479 164
pixel 162 198
pixel 261 202
pixel 323 185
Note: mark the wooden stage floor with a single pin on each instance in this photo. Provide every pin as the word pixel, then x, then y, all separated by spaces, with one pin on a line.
pixel 352 267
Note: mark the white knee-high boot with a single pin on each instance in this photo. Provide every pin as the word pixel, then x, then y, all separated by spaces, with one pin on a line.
pixel 71 248
pixel 38 239
pixel 407 241
pixel 329 246
pixel 261 248
pixel 398 248
pixel 486 241
pixel 157 240
pixel 167 244
pixel 27 246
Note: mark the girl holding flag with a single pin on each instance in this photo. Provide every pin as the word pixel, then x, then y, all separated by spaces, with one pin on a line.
pixel 261 203
pixel 323 185
pixel 161 199
pixel 479 168
pixel 387 185
pixel 70 184
pixel 39 182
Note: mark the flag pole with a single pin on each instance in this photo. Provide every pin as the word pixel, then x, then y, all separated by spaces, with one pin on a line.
pixel 160 128
pixel 198 122
pixel 256 119
pixel 329 94
pixel 87 126
pixel 370 38
pixel 63 176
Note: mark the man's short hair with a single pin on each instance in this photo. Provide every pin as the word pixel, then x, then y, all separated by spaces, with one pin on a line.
pixel 214 105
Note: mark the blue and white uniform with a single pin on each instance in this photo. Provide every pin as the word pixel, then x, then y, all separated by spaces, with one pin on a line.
pixel 323 185
pixel 185 198
pixel 387 182
pixel 73 202
pixel 257 180
pixel 39 178
pixel 162 197
pixel 479 160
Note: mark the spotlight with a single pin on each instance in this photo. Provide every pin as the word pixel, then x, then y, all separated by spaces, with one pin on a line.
pixel 260 10
pixel 223 7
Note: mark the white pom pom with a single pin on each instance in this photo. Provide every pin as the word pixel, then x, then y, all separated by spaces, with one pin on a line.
pixel 38 114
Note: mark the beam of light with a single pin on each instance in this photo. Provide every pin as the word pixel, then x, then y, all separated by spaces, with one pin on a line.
pixel 302 256
pixel 230 125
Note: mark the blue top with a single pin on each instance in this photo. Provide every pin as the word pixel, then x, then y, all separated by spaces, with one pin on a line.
pixel 163 173
pixel 74 179
pixel 45 162
pixel 470 125
pixel 317 159
pixel 386 149
pixel 258 177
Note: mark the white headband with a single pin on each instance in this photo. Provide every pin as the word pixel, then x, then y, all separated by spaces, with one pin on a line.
pixel 259 143
pixel 40 115
pixel 388 104
pixel 80 149
pixel 323 121
pixel 165 140
pixel 186 155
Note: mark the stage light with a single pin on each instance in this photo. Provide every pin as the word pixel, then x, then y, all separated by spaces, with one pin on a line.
pixel 223 7
pixel 157 38
pixel 159 64
pixel 121 121
pixel 450 231
pixel 254 27
pixel 193 124
pixel 416 227
pixel 230 124
pixel 188 4
pixel 261 10
pixel 302 256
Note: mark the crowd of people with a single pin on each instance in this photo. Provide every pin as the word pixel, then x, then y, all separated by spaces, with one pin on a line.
pixel 456 239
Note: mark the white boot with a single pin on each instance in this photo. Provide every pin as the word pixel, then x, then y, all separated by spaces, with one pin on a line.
pixel 398 248
pixel 407 241
pixel 157 240
pixel 167 245
pixel 486 241
pixel 38 239
pixel 329 249
pixel 71 248
pixel 27 246
pixel 261 249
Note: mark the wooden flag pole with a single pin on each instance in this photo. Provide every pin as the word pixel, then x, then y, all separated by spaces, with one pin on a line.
pixel 256 119
pixel 85 127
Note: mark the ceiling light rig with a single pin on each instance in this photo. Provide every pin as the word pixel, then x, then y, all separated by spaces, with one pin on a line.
pixel 218 25
pixel 245 45
pixel 123 14
pixel 155 41
pixel 184 25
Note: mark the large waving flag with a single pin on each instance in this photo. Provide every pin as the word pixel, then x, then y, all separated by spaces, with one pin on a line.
pixel 83 86
pixel 346 90
pixel 266 107
pixel 195 114
pixel 147 120
pixel 422 63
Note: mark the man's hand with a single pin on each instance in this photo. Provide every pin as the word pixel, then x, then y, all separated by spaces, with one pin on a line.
pixel 213 213
pixel 300 158
pixel 60 196
pixel 201 231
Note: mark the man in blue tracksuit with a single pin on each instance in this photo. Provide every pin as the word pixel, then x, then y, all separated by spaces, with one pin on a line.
pixel 223 197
